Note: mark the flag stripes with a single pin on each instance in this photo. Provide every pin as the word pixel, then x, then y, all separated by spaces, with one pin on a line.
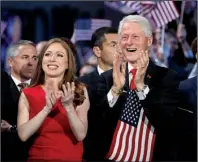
pixel 160 12
pixel 84 28
pixel 133 144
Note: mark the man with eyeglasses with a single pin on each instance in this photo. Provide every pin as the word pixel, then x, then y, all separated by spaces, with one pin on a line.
pixel 22 59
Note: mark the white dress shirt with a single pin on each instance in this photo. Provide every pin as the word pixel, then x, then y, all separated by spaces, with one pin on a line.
pixel 141 95
pixel 17 82
pixel 100 71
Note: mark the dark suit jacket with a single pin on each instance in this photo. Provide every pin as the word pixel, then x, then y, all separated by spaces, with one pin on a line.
pixel 187 130
pixel 9 99
pixel 189 89
pixel 159 106
pixel 12 147
pixel 91 80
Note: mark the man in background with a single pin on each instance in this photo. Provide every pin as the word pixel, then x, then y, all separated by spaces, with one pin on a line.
pixel 104 45
pixel 22 60
pixel 187 114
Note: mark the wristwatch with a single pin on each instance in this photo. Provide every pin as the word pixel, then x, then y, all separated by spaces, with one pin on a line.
pixel 145 89
pixel 13 128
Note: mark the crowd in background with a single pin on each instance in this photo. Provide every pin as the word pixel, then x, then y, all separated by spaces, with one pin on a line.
pixel 15 24
pixel 175 53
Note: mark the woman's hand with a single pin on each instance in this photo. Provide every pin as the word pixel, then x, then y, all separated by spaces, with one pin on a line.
pixel 67 96
pixel 50 100
pixel 118 73
pixel 51 96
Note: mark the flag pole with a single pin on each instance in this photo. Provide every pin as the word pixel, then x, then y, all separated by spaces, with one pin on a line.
pixel 162 38
pixel 182 12
pixel 180 19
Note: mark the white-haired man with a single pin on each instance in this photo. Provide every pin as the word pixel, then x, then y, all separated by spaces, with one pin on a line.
pixel 137 111
pixel 22 60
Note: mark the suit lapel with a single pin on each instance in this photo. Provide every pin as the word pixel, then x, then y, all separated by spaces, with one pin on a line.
pixel 96 73
pixel 14 90
pixel 150 73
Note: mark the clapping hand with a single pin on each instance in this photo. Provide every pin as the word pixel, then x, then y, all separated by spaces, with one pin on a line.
pixel 51 96
pixel 119 68
pixel 50 100
pixel 5 126
pixel 67 96
pixel 142 64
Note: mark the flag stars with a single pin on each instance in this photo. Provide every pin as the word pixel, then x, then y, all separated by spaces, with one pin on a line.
pixel 130 113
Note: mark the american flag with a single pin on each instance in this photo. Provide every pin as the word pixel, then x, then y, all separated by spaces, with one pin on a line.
pixel 134 136
pixel 128 7
pixel 160 12
pixel 125 7
pixel 84 28
pixel 163 13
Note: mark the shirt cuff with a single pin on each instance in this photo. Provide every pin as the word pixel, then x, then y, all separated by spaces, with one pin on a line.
pixel 142 94
pixel 111 99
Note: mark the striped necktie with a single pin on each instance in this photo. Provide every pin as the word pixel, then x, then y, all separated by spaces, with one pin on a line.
pixel 22 86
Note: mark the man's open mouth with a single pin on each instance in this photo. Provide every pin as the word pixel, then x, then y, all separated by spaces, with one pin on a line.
pixel 131 49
